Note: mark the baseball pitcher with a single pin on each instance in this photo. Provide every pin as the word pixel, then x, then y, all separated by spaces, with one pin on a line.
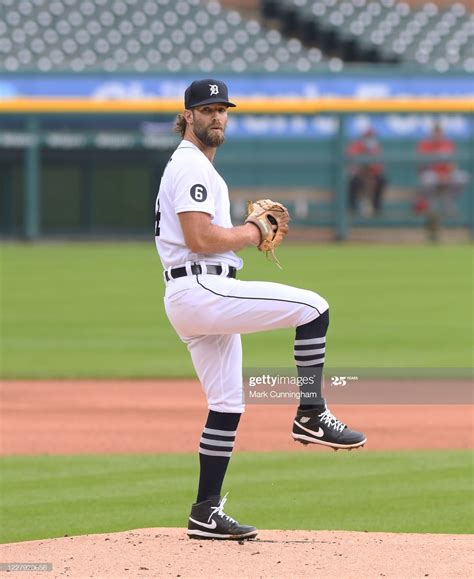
pixel 210 308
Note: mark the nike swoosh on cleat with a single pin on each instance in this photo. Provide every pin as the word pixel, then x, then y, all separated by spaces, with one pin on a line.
pixel 212 525
pixel 319 433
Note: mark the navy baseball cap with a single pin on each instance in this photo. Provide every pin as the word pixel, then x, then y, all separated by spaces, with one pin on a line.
pixel 205 92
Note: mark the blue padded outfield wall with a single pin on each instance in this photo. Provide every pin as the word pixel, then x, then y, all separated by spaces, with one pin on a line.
pixel 362 85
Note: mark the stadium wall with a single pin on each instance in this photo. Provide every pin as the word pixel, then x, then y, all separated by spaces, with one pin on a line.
pixel 93 172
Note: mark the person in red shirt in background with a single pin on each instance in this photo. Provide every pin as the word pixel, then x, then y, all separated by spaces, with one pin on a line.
pixel 367 180
pixel 440 181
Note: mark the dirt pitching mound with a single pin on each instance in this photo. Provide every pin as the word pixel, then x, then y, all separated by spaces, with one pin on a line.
pixel 169 553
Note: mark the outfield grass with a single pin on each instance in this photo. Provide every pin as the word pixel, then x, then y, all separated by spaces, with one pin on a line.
pixel 429 491
pixel 95 310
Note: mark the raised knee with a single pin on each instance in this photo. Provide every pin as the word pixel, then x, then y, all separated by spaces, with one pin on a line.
pixel 317 327
pixel 324 304
pixel 319 303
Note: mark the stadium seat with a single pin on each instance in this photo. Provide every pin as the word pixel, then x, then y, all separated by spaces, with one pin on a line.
pixel 385 30
pixel 190 35
pixel 150 35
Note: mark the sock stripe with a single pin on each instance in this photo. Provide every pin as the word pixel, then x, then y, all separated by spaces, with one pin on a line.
pixel 309 347
pixel 313 362
pixel 214 448
pixel 219 437
pixel 215 452
pixel 209 442
pixel 220 432
pixel 306 353
pixel 313 357
pixel 310 341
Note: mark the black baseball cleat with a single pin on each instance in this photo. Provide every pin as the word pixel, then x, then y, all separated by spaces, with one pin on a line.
pixel 315 427
pixel 208 521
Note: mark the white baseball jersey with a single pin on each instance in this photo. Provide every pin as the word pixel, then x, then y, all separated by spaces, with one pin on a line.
pixel 190 183
pixel 209 312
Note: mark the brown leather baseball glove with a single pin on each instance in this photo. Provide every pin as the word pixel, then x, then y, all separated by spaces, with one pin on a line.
pixel 272 220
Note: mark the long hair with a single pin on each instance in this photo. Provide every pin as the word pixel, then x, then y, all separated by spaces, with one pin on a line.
pixel 180 125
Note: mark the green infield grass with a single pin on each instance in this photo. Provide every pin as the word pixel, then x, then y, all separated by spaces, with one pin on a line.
pixel 95 309
pixel 424 492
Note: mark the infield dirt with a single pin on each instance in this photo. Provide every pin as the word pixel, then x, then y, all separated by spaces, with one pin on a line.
pixel 68 417
pixel 73 417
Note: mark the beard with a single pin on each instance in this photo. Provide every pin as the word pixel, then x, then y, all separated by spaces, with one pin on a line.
pixel 209 137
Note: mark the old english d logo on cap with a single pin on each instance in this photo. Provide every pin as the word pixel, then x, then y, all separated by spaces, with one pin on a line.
pixel 205 92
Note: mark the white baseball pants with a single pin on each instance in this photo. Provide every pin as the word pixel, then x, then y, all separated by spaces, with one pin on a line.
pixel 209 312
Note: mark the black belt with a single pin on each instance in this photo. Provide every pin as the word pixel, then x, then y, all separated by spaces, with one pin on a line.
pixel 196 269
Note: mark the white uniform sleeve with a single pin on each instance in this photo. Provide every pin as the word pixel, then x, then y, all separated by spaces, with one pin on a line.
pixel 193 189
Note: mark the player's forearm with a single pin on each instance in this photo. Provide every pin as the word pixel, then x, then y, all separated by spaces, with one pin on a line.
pixel 216 239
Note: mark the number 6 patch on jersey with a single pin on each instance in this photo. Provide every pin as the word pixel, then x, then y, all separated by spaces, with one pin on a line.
pixel 198 192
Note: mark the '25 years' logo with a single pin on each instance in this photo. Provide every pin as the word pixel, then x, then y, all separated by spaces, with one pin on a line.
pixel 338 381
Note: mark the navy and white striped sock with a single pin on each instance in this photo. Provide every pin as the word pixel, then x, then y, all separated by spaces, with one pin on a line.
pixel 215 449
pixel 310 351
